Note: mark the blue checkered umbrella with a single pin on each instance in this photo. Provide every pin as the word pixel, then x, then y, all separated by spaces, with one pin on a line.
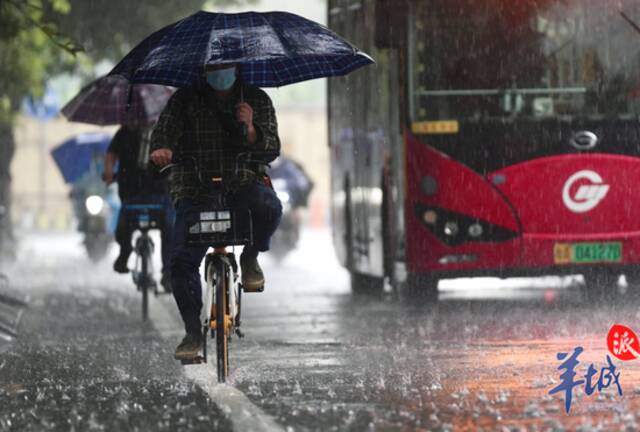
pixel 273 49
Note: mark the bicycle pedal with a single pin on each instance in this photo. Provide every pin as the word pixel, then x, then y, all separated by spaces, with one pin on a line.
pixel 193 361
pixel 261 289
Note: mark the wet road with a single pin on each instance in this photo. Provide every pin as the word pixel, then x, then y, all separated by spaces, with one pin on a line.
pixel 314 358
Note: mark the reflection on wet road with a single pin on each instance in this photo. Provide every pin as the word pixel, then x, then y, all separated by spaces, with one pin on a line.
pixel 314 358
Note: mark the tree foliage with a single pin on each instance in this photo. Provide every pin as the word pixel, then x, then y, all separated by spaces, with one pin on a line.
pixel 29 44
pixel 39 38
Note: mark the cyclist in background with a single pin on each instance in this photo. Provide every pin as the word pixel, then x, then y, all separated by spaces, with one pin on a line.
pixel 138 185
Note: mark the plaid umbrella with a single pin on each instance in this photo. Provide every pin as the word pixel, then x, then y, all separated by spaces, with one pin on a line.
pixel 274 49
pixel 104 102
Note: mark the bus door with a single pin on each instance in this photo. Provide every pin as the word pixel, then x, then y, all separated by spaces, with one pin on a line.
pixel 363 152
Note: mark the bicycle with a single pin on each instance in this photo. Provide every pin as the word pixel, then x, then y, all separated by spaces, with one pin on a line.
pixel 145 217
pixel 220 226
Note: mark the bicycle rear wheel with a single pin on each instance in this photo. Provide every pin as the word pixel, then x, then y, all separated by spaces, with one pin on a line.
pixel 144 285
pixel 222 307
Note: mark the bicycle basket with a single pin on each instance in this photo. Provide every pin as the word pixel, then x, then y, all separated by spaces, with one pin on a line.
pixel 144 216
pixel 217 227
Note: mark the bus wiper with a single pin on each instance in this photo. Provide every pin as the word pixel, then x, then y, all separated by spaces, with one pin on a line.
pixel 630 21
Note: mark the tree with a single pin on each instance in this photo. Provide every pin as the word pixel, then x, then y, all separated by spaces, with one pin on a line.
pixel 29 44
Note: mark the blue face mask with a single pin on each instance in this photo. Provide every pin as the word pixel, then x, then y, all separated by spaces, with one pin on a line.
pixel 222 79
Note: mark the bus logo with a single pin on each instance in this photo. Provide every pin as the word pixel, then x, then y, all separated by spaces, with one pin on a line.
pixel 584 140
pixel 588 195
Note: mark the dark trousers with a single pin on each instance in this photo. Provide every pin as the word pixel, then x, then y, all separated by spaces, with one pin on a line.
pixel 266 212
pixel 124 230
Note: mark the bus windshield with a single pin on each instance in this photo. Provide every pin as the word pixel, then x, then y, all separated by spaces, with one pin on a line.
pixel 537 59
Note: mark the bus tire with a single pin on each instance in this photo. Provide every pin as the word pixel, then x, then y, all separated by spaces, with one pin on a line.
pixel 633 286
pixel 420 288
pixel 388 239
pixel 600 285
pixel 366 285
pixel 348 227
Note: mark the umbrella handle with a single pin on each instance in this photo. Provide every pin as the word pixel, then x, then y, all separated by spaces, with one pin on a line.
pixel 129 95
pixel 245 130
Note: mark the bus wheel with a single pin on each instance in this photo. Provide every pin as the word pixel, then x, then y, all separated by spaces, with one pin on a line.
pixel 366 285
pixel 420 288
pixel 633 284
pixel 388 238
pixel 600 285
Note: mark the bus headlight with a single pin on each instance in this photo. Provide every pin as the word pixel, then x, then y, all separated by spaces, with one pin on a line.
pixel 94 204
pixel 451 229
pixel 454 229
pixel 475 230
pixel 430 217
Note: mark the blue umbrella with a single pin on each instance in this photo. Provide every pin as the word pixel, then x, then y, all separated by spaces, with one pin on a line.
pixel 77 155
pixel 273 49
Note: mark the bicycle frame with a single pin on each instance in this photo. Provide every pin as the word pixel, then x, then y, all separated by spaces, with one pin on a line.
pixel 221 303
pixel 219 225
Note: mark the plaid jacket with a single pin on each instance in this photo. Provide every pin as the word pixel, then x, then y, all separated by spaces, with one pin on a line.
pixel 197 125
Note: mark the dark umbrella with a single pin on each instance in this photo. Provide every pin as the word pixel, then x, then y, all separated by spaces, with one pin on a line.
pixel 274 49
pixel 75 156
pixel 104 102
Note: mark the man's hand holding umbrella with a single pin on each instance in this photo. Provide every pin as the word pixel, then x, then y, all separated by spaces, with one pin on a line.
pixel 244 115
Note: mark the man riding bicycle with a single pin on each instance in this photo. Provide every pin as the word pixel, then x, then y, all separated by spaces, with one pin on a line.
pixel 209 124
pixel 137 185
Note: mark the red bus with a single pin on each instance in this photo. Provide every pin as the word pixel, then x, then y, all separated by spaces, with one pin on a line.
pixel 492 138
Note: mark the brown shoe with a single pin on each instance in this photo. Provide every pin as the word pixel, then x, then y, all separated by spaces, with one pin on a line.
pixel 252 276
pixel 189 348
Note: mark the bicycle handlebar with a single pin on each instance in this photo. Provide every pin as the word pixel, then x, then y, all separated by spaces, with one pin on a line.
pixel 244 157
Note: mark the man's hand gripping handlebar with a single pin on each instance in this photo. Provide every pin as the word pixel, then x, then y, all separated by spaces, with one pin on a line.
pixel 161 157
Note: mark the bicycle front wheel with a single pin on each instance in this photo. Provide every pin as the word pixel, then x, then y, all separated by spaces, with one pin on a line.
pixel 222 334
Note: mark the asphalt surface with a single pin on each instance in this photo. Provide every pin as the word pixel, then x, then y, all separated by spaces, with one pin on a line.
pixel 314 357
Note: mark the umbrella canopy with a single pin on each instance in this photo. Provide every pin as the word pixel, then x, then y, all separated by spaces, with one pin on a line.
pixel 273 49
pixel 104 102
pixel 76 156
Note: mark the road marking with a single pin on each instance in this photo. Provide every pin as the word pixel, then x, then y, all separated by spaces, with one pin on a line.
pixel 244 415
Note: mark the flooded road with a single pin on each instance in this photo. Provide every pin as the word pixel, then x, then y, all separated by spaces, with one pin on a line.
pixel 314 357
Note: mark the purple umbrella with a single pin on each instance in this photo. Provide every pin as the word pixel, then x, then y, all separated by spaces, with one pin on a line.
pixel 104 102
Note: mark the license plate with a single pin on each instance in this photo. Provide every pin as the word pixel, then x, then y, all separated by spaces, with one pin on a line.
pixel 586 253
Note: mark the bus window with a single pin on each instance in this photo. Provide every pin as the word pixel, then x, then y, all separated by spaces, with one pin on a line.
pixel 479 59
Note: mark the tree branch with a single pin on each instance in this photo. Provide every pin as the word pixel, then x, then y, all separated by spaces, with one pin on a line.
pixel 58 38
